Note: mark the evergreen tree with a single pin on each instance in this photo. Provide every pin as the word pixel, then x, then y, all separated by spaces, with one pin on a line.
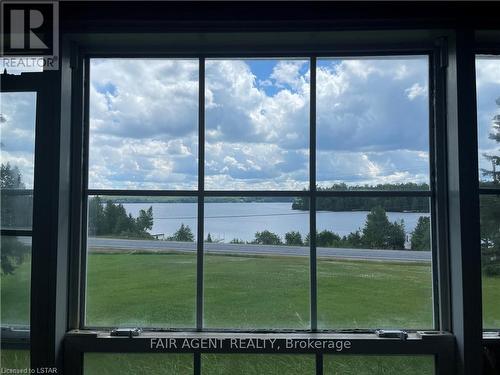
pixel 380 233
pixel 145 220
pixel 376 229
pixel 183 234
pixel 112 219
pixel 421 235
pixel 209 238
pixel 397 236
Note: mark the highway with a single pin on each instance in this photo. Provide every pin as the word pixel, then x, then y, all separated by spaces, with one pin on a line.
pixel 119 245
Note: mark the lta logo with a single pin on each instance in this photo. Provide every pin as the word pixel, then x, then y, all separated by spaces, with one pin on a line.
pixel 30 29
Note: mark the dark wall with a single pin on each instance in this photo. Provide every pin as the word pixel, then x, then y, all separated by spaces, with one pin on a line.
pixel 264 16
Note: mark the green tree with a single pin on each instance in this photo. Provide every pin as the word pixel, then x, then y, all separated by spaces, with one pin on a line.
pixel 183 234
pixel 326 238
pixel 112 219
pixel 376 229
pixel 267 238
pixel 380 233
pixel 397 236
pixel 353 240
pixel 145 220
pixel 293 238
pixel 209 238
pixel 421 235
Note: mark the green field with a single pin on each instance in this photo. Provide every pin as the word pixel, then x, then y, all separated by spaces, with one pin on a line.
pixel 158 290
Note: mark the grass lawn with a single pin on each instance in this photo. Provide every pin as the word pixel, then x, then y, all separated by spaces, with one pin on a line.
pixel 247 292
pixel 255 292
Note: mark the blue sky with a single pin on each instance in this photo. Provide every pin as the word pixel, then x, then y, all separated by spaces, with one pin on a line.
pixel 372 122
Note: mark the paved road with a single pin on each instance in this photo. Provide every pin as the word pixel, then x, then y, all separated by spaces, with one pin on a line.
pixel 110 244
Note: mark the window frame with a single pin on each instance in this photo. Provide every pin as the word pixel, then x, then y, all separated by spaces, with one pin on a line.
pixel 491 336
pixel 80 340
pixel 312 194
pixel 25 82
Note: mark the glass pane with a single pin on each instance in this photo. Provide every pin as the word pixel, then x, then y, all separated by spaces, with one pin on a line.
pixel 15 281
pixel 374 262
pixel 372 121
pixel 378 365
pixel 490 248
pixel 257 124
pixel 14 359
pixel 17 144
pixel 256 264
pixel 257 364
pixel 143 124
pixel 137 364
pixel 488 119
pixel 141 261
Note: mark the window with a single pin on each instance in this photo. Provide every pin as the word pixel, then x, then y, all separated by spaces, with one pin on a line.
pixel 257 124
pixel 227 244
pixel 17 121
pixel 256 265
pixel 143 124
pixel 375 253
pixel 373 122
pixel 488 112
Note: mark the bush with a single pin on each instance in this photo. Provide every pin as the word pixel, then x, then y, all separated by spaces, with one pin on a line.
pixel 293 238
pixel 267 238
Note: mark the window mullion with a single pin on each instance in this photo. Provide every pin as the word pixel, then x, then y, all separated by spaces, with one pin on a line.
pixel 201 190
pixel 312 188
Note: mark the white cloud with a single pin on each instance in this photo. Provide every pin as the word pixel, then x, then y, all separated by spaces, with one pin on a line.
pixel 371 128
pixel 415 91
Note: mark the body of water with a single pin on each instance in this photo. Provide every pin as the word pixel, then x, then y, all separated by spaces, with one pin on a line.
pixel 225 221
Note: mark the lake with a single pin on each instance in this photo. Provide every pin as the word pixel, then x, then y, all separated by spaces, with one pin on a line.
pixel 225 221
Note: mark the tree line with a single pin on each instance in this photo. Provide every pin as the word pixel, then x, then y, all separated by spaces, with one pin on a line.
pixel 389 204
pixel 377 233
pixel 108 218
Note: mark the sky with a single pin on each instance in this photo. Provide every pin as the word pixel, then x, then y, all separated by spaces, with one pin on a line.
pixel 372 122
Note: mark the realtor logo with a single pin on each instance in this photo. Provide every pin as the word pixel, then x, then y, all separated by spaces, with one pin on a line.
pixel 30 29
